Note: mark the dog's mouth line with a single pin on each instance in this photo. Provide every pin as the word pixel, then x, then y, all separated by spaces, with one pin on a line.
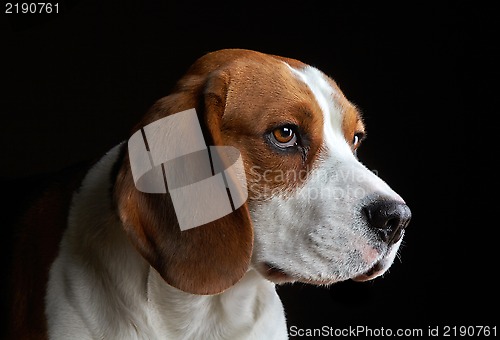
pixel 279 275
pixel 372 272
pixel 276 274
pixel 375 268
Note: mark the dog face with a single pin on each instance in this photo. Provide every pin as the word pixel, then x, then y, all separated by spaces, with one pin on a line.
pixel 319 215
pixel 341 221
pixel 314 213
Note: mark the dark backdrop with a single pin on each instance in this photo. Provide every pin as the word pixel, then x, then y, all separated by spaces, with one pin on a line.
pixel 74 84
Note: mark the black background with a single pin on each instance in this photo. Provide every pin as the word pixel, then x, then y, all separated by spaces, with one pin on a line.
pixel 74 84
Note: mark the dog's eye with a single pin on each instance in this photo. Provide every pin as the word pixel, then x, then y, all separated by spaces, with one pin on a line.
pixel 358 137
pixel 284 136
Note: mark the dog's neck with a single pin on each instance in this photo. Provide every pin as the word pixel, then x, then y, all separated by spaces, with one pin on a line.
pixel 96 248
pixel 232 313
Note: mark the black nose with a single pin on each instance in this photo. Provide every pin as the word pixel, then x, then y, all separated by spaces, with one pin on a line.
pixel 388 219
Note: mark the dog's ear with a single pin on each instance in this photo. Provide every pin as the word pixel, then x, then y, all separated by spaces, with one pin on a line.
pixel 204 260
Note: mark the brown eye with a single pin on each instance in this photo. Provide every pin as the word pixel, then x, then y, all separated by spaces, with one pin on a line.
pixel 358 137
pixel 284 136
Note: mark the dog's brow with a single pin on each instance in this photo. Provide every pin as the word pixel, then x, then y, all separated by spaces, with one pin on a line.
pixel 325 95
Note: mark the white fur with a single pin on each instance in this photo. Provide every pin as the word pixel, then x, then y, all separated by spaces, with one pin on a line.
pixel 101 288
pixel 319 234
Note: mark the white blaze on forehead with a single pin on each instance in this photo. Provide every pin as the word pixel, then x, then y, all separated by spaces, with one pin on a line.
pixel 325 95
pixel 339 150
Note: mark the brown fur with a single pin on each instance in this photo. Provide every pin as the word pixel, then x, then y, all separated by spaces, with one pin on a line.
pixel 240 97
pixel 39 233
pixel 352 124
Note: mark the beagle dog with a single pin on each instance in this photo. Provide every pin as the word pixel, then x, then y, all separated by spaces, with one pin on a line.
pixel 123 268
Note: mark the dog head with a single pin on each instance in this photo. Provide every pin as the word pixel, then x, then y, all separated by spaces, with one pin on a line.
pixel 314 213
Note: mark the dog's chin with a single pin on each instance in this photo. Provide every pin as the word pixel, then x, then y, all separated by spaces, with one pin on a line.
pixel 379 267
pixel 277 275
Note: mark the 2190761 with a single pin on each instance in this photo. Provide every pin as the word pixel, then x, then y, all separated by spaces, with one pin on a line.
pixel 469 331
pixel 31 8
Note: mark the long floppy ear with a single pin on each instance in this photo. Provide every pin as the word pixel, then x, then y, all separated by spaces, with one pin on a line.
pixel 204 260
